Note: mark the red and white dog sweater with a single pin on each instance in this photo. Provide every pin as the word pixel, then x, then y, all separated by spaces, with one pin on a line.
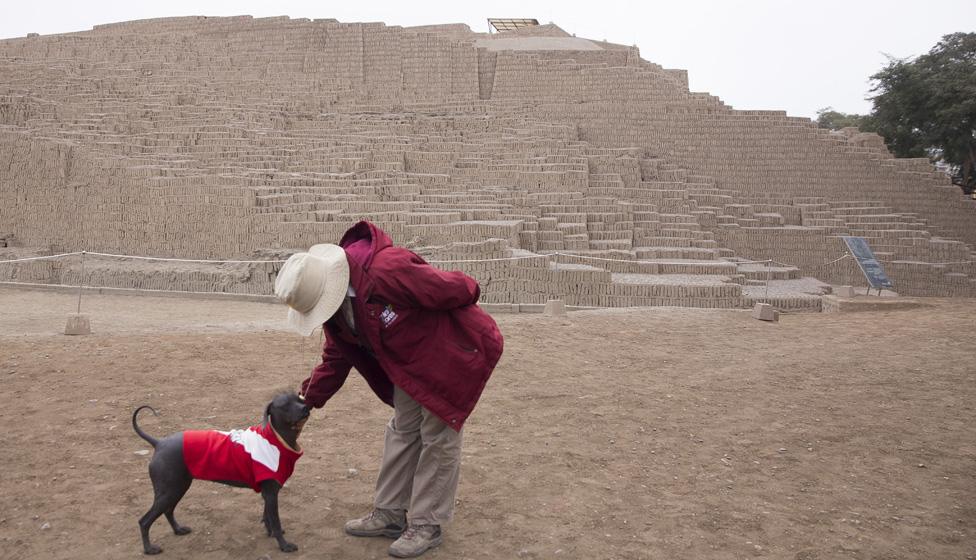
pixel 247 456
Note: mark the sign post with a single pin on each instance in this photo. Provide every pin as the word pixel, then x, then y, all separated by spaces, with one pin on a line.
pixel 870 266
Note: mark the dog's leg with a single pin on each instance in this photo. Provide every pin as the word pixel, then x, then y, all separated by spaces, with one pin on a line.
pixel 177 528
pixel 269 490
pixel 167 493
pixel 145 522
pixel 170 480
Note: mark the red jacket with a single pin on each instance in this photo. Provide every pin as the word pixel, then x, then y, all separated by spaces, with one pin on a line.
pixel 416 327
pixel 248 456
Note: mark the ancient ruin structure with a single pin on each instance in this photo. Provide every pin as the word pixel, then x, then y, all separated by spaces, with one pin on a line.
pixel 543 164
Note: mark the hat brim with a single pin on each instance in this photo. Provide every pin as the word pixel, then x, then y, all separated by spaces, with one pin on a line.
pixel 333 291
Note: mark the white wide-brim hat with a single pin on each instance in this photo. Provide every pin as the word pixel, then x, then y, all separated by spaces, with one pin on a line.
pixel 313 285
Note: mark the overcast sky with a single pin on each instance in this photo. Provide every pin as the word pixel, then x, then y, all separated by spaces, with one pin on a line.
pixel 792 55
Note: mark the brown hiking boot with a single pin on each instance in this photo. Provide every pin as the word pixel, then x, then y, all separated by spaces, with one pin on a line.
pixel 416 540
pixel 378 523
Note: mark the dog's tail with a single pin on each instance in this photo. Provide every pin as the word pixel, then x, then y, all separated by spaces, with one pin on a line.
pixel 152 441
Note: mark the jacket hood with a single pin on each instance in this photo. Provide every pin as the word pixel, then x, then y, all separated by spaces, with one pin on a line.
pixel 377 238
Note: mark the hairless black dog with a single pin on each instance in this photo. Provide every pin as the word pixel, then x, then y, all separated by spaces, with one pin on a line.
pixel 261 457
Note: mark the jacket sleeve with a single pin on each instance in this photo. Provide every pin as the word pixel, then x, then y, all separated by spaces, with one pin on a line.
pixel 409 281
pixel 327 377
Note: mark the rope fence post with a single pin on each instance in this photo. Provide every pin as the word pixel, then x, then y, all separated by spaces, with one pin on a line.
pixel 78 323
pixel 769 266
pixel 764 311
pixel 81 281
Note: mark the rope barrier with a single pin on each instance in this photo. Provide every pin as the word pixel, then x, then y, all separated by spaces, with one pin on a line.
pixel 604 259
pixel 818 265
pixel 492 260
pixel 167 259
pixel 123 288
pixel 957 262
pixel 228 294
pixel 139 257
pixel 501 259
pixel 767 262
pixel 25 259
pixel 171 259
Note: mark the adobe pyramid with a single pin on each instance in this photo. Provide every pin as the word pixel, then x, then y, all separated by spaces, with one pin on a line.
pixel 543 164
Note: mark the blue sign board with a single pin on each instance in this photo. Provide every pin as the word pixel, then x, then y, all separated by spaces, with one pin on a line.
pixel 869 264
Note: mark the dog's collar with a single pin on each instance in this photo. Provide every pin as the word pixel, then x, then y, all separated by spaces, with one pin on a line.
pixel 283 442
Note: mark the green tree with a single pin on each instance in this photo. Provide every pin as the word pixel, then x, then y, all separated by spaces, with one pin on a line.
pixel 835 120
pixel 927 106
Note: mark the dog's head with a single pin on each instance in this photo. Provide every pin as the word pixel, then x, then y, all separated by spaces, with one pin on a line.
pixel 288 414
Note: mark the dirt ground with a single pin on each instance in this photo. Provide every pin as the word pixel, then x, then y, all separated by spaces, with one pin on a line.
pixel 655 433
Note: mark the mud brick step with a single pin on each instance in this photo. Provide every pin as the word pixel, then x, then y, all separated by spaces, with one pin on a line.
pixel 568 217
pixel 900 233
pixel 611 235
pixel 824 222
pixel 610 244
pixel 642 207
pixel 677 218
pixel 414 218
pixel 607 217
pixel 575 242
pixel 814 207
pixel 676 253
pixel 652 190
pixel 572 228
pixel 759 272
pixel 610 226
pixel 683 232
pixel 854 219
pixel 718 200
pixel 856 204
pixel 651 241
pixel 873 210
pixel 809 200
pixel 881 226
pixel 816 214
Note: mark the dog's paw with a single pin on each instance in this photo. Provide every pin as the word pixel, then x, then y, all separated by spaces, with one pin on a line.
pixel 182 530
pixel 288 547
pixel 152 549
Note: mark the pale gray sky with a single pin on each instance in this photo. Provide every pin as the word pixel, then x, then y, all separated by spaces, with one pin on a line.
pixel 793 55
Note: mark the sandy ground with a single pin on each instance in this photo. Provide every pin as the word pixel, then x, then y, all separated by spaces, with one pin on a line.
pixel 656 433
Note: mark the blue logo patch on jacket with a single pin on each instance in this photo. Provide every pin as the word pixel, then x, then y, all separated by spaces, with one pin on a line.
pixel 388 316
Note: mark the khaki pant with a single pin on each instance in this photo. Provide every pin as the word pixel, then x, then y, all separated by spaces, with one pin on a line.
pixel 421 464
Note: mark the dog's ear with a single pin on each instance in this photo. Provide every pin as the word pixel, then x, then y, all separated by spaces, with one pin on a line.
pixel 267 414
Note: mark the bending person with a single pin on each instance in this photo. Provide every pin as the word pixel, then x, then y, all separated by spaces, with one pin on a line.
pixel 423 346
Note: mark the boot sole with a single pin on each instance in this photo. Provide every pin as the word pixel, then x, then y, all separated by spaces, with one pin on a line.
pixel 433 543
pixel 388 533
